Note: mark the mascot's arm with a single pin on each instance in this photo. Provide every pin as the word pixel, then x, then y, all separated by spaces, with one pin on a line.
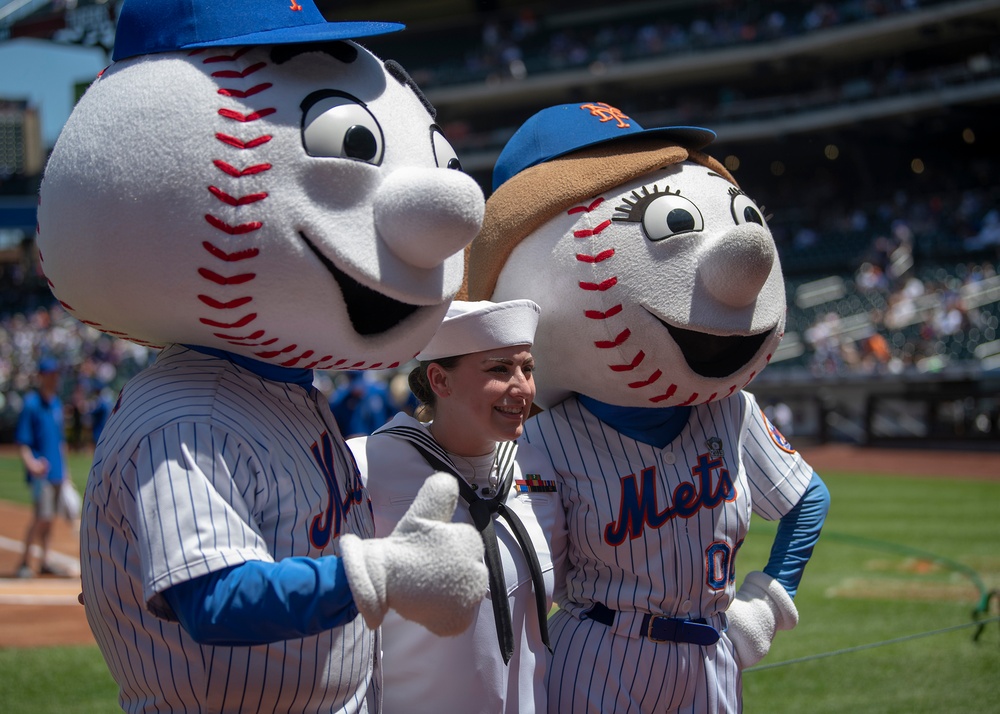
pixel 259 602
pixel 428 569
pixel 798 531
pixel 764 604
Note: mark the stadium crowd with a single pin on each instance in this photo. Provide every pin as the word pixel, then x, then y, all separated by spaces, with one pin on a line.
pixel 512 48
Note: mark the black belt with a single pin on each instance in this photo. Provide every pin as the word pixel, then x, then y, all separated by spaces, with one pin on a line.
pixel 660 628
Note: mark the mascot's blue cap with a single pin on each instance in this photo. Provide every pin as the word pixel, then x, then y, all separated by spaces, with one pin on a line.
pixel 150 26
pixel 566 128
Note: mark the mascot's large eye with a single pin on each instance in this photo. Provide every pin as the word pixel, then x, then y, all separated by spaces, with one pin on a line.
pixel 444 154
pixel 745 210
pixel 663 214
pixel 338 125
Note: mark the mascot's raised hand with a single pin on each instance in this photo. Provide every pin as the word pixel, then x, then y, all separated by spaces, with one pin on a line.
pixel 255 193
pixel 661 298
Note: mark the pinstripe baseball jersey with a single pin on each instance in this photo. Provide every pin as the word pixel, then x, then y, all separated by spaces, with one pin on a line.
pixel 205 465
pixel 657 531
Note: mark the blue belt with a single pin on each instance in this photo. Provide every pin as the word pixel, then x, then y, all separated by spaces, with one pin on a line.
pixel 660 628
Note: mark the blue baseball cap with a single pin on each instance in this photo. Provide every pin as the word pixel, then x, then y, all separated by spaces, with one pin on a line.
pixel 565 128
pixel 150 26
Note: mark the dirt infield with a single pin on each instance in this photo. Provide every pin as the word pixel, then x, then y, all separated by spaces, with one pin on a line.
pixel 44 610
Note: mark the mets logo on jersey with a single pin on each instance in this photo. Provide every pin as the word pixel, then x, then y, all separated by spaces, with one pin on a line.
pixel 780 441
pixel 532 483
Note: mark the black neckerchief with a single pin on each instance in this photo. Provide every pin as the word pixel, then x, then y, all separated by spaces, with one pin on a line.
pixel 482 511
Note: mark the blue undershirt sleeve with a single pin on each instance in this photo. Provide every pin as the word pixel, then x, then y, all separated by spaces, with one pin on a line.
pixel 258 602
pixel 798 531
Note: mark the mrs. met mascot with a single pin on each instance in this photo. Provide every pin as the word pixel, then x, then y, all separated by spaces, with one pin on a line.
pixel 661 297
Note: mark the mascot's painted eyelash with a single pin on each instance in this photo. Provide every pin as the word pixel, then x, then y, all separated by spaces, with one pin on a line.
pixel 633 210
pixel 663 214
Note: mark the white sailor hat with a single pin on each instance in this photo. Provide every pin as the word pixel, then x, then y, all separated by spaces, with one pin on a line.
pixel 482 325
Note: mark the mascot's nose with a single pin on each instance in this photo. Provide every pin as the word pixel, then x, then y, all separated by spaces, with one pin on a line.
pixel 735 266
pixel 425 216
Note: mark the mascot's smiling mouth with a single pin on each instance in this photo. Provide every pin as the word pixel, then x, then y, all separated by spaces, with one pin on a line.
pixel 715 356
pixel 370 312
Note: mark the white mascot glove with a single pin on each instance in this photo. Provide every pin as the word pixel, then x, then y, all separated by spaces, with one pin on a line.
pixel 762 606
pixel 428 569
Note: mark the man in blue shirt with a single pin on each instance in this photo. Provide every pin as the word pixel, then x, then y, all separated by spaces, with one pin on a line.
pixel 41 438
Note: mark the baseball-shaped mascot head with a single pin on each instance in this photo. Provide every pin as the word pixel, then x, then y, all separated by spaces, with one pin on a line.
pixel 245 177
pixel 657 275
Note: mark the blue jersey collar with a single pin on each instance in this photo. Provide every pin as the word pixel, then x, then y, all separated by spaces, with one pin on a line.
pixel 273 372
pixel 657 426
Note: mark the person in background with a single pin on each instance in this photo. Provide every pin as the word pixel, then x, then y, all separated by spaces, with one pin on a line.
pixel 41 439
pixel 361 404
pixel 474 381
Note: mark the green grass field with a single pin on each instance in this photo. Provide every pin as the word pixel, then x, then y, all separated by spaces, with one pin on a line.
pixel 884 609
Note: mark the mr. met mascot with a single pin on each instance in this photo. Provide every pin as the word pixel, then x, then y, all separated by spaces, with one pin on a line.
pixel 661 297
pixel 258 195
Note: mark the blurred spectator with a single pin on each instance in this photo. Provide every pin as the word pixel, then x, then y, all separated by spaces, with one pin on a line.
pixel 949 316
pixel 876 355
pixel 361 404
pixel 100 410
pixel 871 278
pixel 42 447
pixel 824 338
pixel 989 232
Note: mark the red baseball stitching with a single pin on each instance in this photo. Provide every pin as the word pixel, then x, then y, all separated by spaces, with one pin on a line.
pixel 253 336
pixel 237 201
pixel 234 201
pixel 230 257
pixel 617 342
pixel 599 258
pixel 586 209
pixel 233 230
pixel 604 285
pixel 646 382
pixel 588 232
pixel 244 93
pixel 226 280
pixel 239 74
pixel 601 286
pixel 666 395
pixel 242 322
pixel 275 353
pixel 246 118
pixel 598 315
pixel 239 173
pixel 227 58
pixel 240 144
pixel 219 305
pixel 632 365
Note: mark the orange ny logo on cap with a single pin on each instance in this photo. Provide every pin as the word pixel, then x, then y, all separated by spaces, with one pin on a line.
pixel 295 6
pixel 606 112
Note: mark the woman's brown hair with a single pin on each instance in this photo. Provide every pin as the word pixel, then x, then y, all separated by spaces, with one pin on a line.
pixel 421 387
